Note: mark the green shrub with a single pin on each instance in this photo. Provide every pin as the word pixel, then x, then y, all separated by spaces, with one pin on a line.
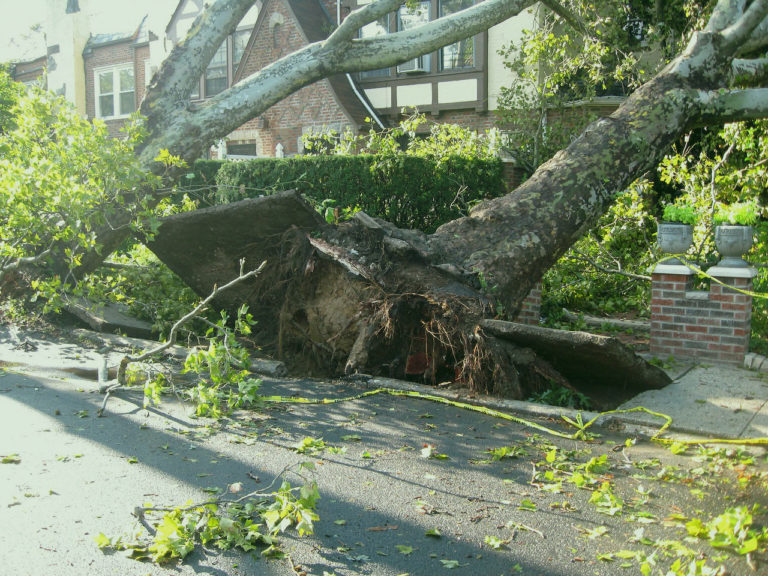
pixel 409 191
pixel 200 182
pixel 738 213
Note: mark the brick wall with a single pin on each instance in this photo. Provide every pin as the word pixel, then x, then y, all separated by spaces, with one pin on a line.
pixel 709 325
pixel 513 176
pixel 314 106
pixel 29 71
pixel 530 311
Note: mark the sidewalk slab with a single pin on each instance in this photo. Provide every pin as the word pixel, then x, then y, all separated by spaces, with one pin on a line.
pixel 711 400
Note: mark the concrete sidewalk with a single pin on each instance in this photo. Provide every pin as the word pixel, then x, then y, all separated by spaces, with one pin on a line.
pixel 709 400
pixel 703 399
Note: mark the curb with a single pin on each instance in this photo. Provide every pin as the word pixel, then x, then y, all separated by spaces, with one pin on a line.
pixel 613 422
pixel 756 362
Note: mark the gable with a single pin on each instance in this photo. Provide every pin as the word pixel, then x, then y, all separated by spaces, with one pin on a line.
pixel 285 26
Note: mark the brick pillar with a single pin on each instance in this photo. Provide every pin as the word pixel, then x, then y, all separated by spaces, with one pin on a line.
pixel 712 326
pixel 530 311
pixel 513 176
pixel 735 313
pixel 669 286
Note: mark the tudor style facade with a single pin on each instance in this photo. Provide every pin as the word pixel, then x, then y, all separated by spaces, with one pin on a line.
pixel 458 83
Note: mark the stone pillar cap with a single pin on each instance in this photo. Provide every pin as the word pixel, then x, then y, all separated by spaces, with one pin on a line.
pixel 678 269
pixel 730 272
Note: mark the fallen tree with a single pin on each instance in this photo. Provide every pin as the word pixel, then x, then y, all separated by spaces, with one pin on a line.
pixel 362 295
pixel 368 296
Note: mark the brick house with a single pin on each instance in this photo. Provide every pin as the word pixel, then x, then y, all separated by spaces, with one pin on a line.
pixel 116 75
pixel 105 73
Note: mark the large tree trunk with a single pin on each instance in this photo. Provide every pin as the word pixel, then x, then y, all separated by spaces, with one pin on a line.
pixel 363 297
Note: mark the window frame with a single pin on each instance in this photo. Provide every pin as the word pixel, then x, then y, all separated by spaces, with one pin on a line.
pixel 441 52
pixel 433 62
pixel 117 91
pixel 200 93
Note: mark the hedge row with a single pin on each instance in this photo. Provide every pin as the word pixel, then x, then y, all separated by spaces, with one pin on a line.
pixel 409 191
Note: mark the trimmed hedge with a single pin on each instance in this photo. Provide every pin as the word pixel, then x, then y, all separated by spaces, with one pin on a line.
pixel 409 191
pixel 200 182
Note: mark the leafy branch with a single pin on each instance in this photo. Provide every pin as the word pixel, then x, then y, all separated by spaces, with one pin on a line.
pixel 196 311
pixel 249 522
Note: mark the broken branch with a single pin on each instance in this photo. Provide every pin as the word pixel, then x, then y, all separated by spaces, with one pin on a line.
pixel 127 360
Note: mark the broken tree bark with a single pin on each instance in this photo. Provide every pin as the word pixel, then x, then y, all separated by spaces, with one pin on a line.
pixel 363 297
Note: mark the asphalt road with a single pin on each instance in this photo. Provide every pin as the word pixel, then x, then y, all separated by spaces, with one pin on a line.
pixel 80 475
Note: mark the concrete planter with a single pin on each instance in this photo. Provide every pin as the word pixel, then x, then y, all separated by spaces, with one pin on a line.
pixel 674 238
pixel 733 242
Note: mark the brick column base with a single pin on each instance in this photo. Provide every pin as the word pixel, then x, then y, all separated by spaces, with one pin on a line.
pixel 530 311
pixel 712 326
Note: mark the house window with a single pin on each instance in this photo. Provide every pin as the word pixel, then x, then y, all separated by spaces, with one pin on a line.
pixel 223 66
pixel 115 92
pixel 215 78
pixel 378 28
pixel 239 43
pixel 461 54
pixel 409 17
pixel 247 149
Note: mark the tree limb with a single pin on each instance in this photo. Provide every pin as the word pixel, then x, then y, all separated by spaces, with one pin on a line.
pixel 399 47
pixel 571 18
pixel 359 18
pixel 741 30
pixel 600 268
pixel 211 27
pixel 732 105
pixel 24 261
pixel 758 39
pixel 724 14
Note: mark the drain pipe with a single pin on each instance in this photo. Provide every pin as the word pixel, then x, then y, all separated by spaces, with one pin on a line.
pixel 365 102
pixel 360 97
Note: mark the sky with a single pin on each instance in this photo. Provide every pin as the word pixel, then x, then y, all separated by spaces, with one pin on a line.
pixel 18 16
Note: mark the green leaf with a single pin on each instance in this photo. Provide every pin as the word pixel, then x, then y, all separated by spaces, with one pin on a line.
pixel 10 459
pixel 495 542
pixel 102 541
pixel 433 533
pixel 404 549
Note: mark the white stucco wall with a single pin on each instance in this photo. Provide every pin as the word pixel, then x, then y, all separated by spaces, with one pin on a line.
pixel 66 35
pixel 457 91
pixel 380 97
pixel 499 37
pixel 414 95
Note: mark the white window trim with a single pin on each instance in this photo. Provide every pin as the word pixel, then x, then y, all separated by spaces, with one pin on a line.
pixel 115 69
